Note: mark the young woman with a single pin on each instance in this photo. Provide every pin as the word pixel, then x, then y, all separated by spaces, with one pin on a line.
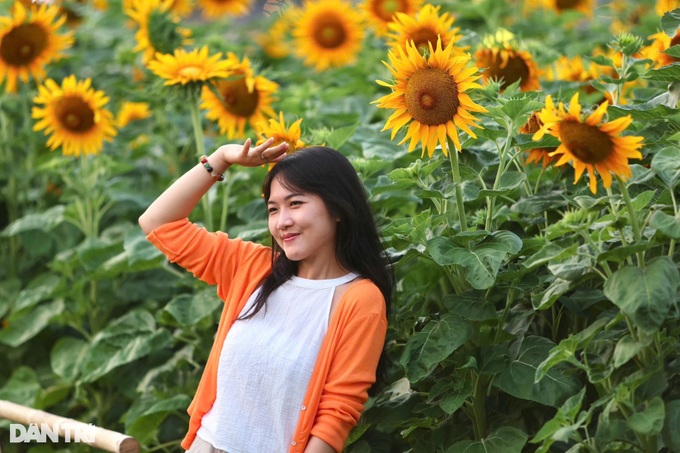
pixel 304 322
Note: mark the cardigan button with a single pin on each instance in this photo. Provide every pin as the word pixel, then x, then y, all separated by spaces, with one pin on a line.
pixel 293 443
pixel 304 408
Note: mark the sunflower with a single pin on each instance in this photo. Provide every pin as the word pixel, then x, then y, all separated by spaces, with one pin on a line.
pixel 584 6
pixel 501 59
pixel 276 42
pixel 328 33
pixel 280 133
pixel 430 93
pixel 213 9
pixel 381 12
pixel 537 155
pixel 573 69
pixel 423 29
pixel 158 28
pixel 28 42
pixel 184 67
pixel 664 6
pixel 245 98
pixel 660 43
pixel 590 144
pixel 132 111
pixel 73 116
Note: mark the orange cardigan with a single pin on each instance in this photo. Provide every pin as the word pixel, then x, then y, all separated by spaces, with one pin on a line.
pixel 345 368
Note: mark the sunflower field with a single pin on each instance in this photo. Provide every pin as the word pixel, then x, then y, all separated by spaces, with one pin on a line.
pixel 522 158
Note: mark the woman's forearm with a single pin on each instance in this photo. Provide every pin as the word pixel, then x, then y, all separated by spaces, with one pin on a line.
pixel 178 200
pixel 316 445
pixel 183 195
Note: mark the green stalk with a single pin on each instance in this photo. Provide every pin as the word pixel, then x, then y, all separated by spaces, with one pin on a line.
pixel 671 248
pixel 225 201
pixel 479 407
pixel 633 218
pixel 455 173
pixel 200 150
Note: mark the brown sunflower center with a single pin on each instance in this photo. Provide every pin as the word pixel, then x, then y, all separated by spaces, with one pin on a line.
pixel 385 9
pixel 22 45
pixel 588 143
pixel 515 69
pixel 432 96
pixel 567 4
pixel 237 99
pixel 329 33
pixel 422 38
pixel 75 114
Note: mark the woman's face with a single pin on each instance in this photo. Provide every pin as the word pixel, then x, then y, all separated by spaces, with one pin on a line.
pixel 304 229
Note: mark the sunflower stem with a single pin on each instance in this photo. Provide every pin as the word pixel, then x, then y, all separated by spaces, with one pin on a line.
pixel 225 201
pixel 200 150
pixel 633 218
pixel 455 173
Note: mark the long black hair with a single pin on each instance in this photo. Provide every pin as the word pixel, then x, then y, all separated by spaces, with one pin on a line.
pixel 327 173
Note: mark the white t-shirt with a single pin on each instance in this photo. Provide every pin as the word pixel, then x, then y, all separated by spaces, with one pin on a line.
pixel 265 366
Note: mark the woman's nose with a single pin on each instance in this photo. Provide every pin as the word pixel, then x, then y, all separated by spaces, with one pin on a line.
pixel 284 220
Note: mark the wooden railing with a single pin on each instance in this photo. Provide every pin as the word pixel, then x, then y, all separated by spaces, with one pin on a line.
pixel 103 439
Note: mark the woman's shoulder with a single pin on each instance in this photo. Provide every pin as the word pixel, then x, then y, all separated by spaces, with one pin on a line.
pixel 364 298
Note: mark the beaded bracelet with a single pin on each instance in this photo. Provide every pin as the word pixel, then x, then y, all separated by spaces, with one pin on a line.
pixel 213 173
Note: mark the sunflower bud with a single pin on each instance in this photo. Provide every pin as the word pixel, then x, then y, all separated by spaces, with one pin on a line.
pixel 627 43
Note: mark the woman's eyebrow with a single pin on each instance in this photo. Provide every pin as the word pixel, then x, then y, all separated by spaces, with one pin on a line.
pixel 288 197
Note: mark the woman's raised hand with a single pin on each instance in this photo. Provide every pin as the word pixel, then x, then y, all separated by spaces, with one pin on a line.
pixel 252 157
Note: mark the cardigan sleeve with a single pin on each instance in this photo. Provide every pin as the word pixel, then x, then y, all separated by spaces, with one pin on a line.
pixel 352 372
pixel 211 257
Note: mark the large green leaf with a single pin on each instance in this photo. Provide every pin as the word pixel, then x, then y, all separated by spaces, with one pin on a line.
pixel 671 428
pixel 518 378
pixel 41 288
pixel 504 440
pixel 188 309
pixel 44 221
pixel 434 343
pixel 143 426
pixel 126 339
pixel 26 324
pixel 482 261
pixel 646 295
pixel 670 22
pixel 667 224
pixel 666 164
pixel 649 421
pixel 670 73
pixel 22 387
pixel 66 357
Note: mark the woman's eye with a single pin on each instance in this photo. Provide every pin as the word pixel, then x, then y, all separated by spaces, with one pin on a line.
pixel 271 210
pixel 295 203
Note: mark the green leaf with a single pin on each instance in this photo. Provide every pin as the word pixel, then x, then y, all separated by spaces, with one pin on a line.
pixel 518 378
pixel 22 387
pixel 649 422
pixel 44 221
pixel 673 51
pixel 138 248
pixel 643 199
pixel 450 394
pixel 646 295
pixel 434 343
pixel 620 254
pixel 641 112
pixel 671 428
pixel 66 357
pixel 627 348
pixel 669 73
pixel 666 165
pixel 565 416
pixel 509 181
pixel 339 136
pixel 189 309
pixel 470 305
pixel 670 22
pixel 667 224
pixel 556 250
pixel 482 261
pixel 504 440
pixel 124 340
pixel 41 288
pixel 26 324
